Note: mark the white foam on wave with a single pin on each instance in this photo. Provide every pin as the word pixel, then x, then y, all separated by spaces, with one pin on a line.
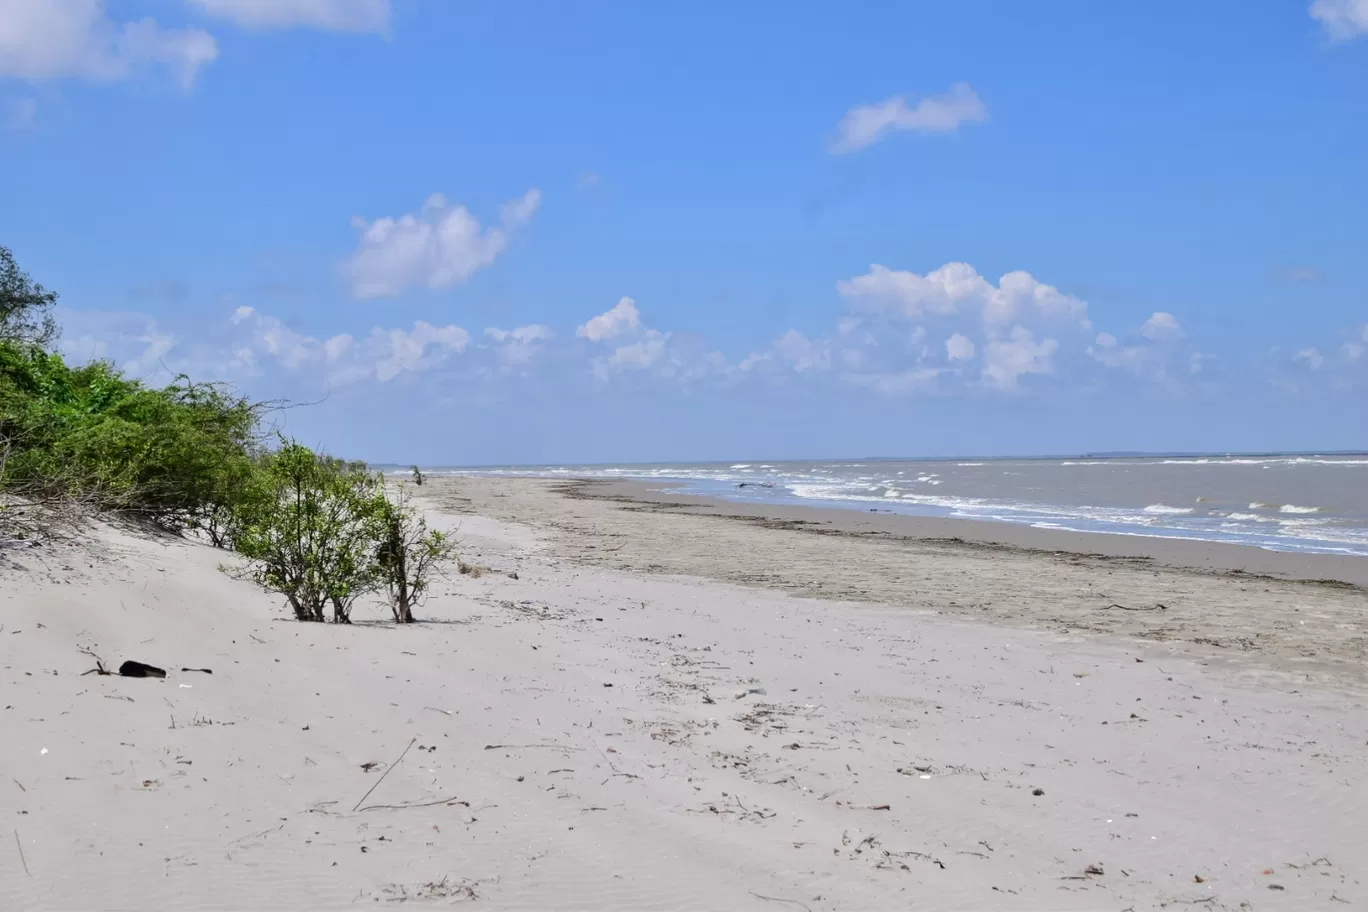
pixel 1165 509
pixel 966 464
pixel 1251 517
pixel 742 465
pixel 1293 508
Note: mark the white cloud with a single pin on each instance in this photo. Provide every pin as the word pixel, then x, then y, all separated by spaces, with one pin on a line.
pixel 956 287
pixel 384 353
pixel 1311 357
pixel 864 125
pixel 1007 359
pixel 328 15
pixel 1342 19
pixel 423 347
pixel 519 212
pixel 902 383
pixel 1106 340
pixel 440 246
pixel 648 352
pixel 534 333
pixel 959 348
pixel 519 346
pixel 1160 326
pixel 801 353
pixel 57 39
pixel 134 341
pixel 623 317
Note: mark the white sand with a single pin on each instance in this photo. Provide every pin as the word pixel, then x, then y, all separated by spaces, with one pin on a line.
pixel 629 774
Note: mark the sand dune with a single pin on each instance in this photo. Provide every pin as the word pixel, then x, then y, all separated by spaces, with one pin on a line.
pixel 584 737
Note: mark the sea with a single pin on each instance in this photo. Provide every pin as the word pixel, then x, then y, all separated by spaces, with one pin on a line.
pixel 1307 503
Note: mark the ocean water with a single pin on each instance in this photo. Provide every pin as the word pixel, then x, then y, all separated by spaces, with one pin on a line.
pixel 1304 503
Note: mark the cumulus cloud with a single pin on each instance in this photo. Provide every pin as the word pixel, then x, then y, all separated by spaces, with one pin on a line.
pixel 955 288
pixel 1006 359
pixel 519 346
pixel 76 39
pixel 640 348
pixel 1161 326
pixel 959 348
pixel 1341 19
pixel 383 354
pixel 1151 354
pixel 623 317
pixel 864 125
pixel 648 352
pixel 135 341
pixel 439 246
pixel 328 15
pixel 801 353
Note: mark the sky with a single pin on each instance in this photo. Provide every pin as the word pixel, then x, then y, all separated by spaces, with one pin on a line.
pixel 532 231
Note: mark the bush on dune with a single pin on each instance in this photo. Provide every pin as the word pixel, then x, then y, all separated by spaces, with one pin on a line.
pixel 194 456
pixel 174 455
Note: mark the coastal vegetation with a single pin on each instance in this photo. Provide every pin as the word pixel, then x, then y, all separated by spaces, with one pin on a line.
pixel 195 458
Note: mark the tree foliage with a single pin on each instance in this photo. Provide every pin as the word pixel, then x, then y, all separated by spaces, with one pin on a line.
pixel 409 555
pixel 174 455
pixel 25 306
pixel 310 532
pixel 192 456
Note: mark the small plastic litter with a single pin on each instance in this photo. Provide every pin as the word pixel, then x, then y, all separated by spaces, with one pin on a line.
pixel 132 669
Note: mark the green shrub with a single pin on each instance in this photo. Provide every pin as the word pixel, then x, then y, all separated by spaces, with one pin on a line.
pixel 175 455
pixel 311 530
pixel 409 555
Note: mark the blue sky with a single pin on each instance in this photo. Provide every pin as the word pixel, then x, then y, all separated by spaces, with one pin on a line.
pixel 544 231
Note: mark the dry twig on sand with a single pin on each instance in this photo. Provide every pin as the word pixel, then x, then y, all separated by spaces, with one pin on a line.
pixel 420 804
pixel 778 899
pixel 20 846
pixel 388 770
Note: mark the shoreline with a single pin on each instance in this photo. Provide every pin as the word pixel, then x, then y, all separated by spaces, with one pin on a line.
pixel 1267 612
pixel 1167 551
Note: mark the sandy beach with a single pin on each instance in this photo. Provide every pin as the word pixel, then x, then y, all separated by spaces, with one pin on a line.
pixel 644 702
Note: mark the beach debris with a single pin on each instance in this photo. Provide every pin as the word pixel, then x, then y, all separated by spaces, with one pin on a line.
pixel 1037 792
pixel 20 846
pixel 441 889
pixel 779 899
pixel 207 671
pixel 1276 887
pixel 490 747
pixel 133 669
pixel 747 691
pixel 99 668
pixel 1155 607
pixel 755 484
pixel 369 765
pixel 1094 870
pixel 453 800
pixel 387 771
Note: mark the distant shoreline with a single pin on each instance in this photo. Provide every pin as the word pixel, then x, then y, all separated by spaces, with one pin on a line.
pixel 1177 553
pixel 1139 454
